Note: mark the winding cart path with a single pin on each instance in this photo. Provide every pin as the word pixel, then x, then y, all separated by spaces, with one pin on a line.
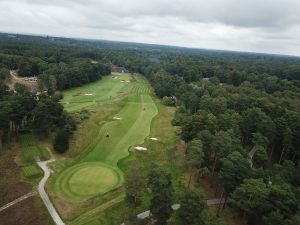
pixel 44 195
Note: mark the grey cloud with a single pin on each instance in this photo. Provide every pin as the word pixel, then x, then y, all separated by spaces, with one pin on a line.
pixel 257 25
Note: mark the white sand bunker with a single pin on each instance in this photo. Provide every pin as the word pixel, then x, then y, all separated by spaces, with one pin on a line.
pixel 141 149
pixel 153 139
pixel 116 118
pixel 115 77
pixel 88 94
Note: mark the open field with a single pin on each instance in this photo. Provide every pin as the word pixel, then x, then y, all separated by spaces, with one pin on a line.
pixel 96 170
pixel 110 88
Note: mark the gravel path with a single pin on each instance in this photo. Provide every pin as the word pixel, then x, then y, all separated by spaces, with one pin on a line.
pixel 17 200
pixel 43 194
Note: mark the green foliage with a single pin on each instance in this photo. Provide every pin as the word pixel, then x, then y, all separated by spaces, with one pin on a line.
pixel 169 101
pixel 46 114
pixel 207 217
pixel 4 74
pixel 260 157
pixel 160 183
pixel 247 100
pixel 192 204
pixel 251 199
pixel 61 141
pixel 235 168
pixel 81 115
pixel 195 154
pixel 31 171
pixel 135 185
pixel 31 148
pixel 57 96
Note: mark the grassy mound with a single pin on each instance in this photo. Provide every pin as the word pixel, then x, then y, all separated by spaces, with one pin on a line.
pixel 85 180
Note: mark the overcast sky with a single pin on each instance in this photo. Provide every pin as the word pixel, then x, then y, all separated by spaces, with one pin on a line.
pixel 271 26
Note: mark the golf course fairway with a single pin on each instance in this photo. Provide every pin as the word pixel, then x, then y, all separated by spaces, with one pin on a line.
pixel 109 89
pixel 97 172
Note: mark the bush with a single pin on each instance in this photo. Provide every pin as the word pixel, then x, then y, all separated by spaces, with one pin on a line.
pixel 169 101
pixel 57 96
pixel 61 141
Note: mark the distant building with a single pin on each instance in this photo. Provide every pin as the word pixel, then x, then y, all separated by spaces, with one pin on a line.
pixel 118 69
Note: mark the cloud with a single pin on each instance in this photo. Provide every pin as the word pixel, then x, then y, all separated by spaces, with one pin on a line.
pixel 259 25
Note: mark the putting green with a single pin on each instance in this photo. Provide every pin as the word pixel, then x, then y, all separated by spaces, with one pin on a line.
pixel 85 180
pixel 97 171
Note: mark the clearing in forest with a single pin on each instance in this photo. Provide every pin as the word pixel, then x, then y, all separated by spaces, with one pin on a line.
pixel 96 171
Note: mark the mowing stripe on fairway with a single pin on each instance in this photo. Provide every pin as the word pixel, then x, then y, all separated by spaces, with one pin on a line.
pixel 102 91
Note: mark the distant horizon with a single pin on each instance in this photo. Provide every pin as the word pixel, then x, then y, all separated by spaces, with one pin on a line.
pixel 144 43
pixel 260 26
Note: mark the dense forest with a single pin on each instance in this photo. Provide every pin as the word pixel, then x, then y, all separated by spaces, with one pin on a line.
pixel 239 113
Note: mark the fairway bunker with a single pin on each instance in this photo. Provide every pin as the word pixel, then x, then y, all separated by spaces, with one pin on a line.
pixel 116 118
pixel 140 149
pixel 86 180
pixel 82 94
pixel 153 139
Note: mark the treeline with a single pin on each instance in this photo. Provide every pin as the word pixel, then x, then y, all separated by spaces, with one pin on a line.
pixel 158 183
pixel 57 66
pixel 23 111
pixel 246 137
pixel 238 112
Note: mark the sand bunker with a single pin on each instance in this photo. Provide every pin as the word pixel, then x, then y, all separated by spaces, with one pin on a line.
pixel 116 118
pixel 153 139
pixel 142 149
pixel 80 94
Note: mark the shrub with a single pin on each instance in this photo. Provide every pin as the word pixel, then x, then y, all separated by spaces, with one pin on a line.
pixel 61 141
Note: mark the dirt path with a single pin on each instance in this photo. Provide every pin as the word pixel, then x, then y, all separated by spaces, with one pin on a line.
pixel 251 154
pixel 29 82
pixel 30 194
pixel 43 194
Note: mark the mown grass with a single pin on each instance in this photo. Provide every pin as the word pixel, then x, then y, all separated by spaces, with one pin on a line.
pixel 90 144
pixel 31 171
pixel 163 152
pixel 133 127
pixel 32 148
pixel 109 89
